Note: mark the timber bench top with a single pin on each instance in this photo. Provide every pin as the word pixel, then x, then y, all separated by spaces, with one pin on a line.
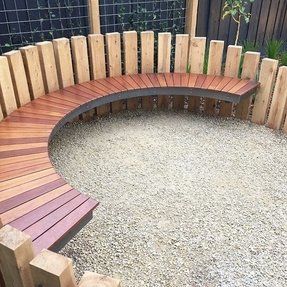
pixel 33 197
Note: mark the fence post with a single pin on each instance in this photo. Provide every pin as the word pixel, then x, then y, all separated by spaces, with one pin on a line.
pixel 92 279
pixel 94 15
pixel 50 269
pixel 191 17
pixel 16 252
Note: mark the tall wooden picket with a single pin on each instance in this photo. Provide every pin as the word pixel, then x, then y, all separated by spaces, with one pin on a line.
pixel 180 64
pixel 266 78
pixel 279 101
pixel 130 40
pixel 7 95
pixel 214 69
pixel 64 62
pixel 98 64
pixel 33 71
pixel 249 71
pixel 164 51
pixel 196 65
pixel 113 42
pixel 147 62
pixel 48 66
pixel 19 78
pixel 92 279
pixel 232 64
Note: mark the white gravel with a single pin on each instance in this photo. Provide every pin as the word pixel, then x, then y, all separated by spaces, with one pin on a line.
pixel 185 200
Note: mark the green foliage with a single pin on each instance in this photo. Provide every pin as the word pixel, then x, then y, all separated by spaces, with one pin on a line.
pixel 250 46
pixel 205 64
pixel 283 59
pixel 273 49
pixel 237 10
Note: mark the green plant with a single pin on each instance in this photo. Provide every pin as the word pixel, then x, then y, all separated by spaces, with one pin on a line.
pixel 283 58
pixel 273 49
pixel 205 64
pixel 237 10
pixel 250 46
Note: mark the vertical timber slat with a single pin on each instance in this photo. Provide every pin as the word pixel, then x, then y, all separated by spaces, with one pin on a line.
pixel 92 279
pixel 130 40
pixel 147 62
pixel 50 269
pixel 113 41
pixel 266 79
pixel 249 71
pixel 196 56
pixel 214 69
pixel 33 70
pixel 279 101
pixel 94 16
pixel 164 52
pixel 19 78
pixel 98 64
pixel 180 64
pixel 191 17
pixel 7 95
pixel 232 65
pixel 64 62
pixel 48 66
pixel 16 252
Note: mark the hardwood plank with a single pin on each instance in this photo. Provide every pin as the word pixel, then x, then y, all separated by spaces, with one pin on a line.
pixel 146 80
pixel 176 80
pixel 184 79
pixel 14 153
pixel 153 79
pixel 7 141
pixel 161 80
pixel 192 80
pixel 208 80
pixel 231 84
pixel 169 79
pixel 216 81
pixel 137 78
pixel 200 80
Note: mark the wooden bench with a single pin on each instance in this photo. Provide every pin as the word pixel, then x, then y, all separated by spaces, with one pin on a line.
pixel 33 197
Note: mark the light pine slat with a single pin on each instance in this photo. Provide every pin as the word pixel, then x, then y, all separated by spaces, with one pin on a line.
pixel 33 70
pixel 97 56
pixel 80 59
pixel 19 78
pixel 130 40
pixel 1 113
pixel 113 43
pixel 279 100
pixel 180 64
pixel 232 65
pixel 7 95
pixel 266 79
pixel 214 69
pixel 191 17
pixel 249 71
pixel 64 65
pixel 164 51
pixel 48 66
pixel 147 62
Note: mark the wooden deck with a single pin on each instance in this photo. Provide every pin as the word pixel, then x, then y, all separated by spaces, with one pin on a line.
pixel 33 197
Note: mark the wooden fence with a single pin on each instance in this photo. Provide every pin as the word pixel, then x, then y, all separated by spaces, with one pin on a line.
pixel 37 70
pixel 268 21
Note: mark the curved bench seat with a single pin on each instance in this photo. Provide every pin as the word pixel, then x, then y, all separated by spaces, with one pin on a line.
pixel 33 197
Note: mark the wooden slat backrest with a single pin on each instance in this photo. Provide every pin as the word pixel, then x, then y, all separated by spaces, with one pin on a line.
pixel 64 62
pixel 48 66
pixel 262 100
pixel 249 71
pixel 33 71
pixel 7 95
pixel 19 78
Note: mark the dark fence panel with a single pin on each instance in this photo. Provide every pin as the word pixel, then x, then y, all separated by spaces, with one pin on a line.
pixel 268 21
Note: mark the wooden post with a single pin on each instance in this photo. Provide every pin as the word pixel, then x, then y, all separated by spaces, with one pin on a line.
pixel 147 62
pixel 50 269
pixel 130 40
pixel 180 64
pixel 164 51
pixel 113 41
pixel 7 95
pixel 249 71
pixel 16 252
pixel 279 100
pixel 94 16
pixel 191 17
pixel 232 65
pixel 196 64
pixel 214 69
pixel 64 62
pixel 92 279
pixel 19 78
pixel 48 66
pixel 98 64
pixel 266 79
pixel 33 70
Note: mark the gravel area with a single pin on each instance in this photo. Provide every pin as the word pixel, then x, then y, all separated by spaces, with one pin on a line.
pixel 185 200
